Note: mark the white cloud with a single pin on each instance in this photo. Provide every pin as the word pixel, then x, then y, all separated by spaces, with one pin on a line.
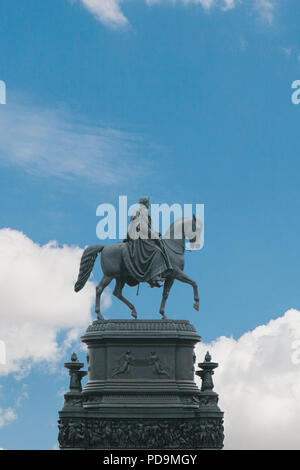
pixel 51 142
pixel 109 11
pixel 38 301
pixel 206 4
pixel 258 380
pixel 265 8
pixel 7 416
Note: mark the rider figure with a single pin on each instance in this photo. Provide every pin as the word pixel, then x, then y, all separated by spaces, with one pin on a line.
pixel 140 229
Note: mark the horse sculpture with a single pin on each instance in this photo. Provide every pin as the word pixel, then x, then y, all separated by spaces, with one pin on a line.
pixel 113 267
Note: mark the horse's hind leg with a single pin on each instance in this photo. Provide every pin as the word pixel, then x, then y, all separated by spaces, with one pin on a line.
pixel 167 287
pixel 118 293
pixel 99 289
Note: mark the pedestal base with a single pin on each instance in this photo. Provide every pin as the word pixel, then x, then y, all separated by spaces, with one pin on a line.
pixel 141 392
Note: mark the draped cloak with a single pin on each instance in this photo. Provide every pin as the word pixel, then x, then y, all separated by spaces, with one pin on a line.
pixel 144 254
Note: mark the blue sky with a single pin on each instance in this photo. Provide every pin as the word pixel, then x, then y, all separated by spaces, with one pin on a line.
pixel 183 103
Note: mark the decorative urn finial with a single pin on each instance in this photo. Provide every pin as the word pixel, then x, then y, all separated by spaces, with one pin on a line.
pixel 75 373
pixel 206 373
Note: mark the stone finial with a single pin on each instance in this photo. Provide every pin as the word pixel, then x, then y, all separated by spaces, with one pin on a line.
pixel 75 373
pixel 74 357
pixel 207 357
pixel 206 373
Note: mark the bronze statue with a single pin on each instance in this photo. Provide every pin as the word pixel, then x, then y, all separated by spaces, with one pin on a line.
pixel 143 257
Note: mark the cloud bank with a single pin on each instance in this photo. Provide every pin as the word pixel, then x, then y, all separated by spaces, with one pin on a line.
pixel 41 315
pixel 109 11
pixel 258 380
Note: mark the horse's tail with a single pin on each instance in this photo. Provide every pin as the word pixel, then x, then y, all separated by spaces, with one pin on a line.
pixel 86 265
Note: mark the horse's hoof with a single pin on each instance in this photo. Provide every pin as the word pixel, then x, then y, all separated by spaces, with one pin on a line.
pixel 134 314
pixel 163 316
pixel 196 306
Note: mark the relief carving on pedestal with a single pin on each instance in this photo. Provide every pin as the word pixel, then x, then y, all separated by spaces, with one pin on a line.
pixel 150 434
pixel 127 361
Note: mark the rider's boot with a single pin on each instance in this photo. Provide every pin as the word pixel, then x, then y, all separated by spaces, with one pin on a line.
pixel 154 283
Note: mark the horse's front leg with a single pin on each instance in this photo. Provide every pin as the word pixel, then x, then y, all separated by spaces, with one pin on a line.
pixel 167 287
pixel 99 289
pixel 181 276
pixel 118 293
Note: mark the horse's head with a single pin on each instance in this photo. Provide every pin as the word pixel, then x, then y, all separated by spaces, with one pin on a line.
pixel 188 227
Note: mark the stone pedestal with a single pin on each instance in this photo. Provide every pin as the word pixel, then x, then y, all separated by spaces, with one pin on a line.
pixel 141 392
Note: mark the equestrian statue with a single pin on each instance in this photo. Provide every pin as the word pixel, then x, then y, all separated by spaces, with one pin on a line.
pixel 143 256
